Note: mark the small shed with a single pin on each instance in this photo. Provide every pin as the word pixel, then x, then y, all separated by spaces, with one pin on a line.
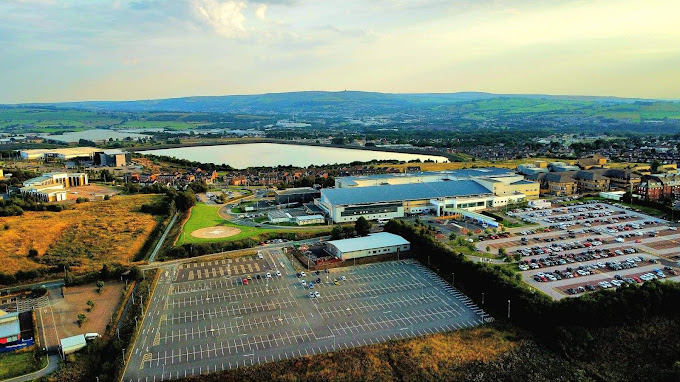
pixel 73 344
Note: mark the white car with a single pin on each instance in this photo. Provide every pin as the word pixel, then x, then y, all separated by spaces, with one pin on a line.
pixel 268 275
pixel 303 282
pixel 278 273
pixel 317 294
pixel 303 274
pixel 311 295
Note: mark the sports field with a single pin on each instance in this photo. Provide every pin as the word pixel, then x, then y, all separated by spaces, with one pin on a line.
pixel 204 216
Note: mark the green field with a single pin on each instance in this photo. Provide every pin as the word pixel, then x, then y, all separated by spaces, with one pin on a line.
pixel 19 363
pixel 204 216
pixel 172 125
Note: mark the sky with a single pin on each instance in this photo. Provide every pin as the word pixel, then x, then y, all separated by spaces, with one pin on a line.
pixel 77 50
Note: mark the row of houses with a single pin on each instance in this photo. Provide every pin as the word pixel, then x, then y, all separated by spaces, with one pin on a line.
pixel 177 179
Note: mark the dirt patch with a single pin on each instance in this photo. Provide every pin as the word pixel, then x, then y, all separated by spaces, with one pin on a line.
pixel 61 320
pixel 215 232
pixel 90 191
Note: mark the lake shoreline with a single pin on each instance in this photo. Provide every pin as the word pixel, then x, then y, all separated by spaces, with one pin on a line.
pixel 447 156
pixel 295 154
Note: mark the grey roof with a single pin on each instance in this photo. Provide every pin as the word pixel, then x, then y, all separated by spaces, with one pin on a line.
pixel 372 241
pixel 10 328
pixel 309 217
pixel 74 341
pixel 400 192
pixel 483 172
pixel 298 190
pixel 523 181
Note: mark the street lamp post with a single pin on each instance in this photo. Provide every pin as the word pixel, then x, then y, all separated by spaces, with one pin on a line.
pixel 482 298
pixel 508 309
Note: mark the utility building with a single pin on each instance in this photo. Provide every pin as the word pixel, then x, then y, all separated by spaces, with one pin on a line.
pixel 73 344
pixel 371 245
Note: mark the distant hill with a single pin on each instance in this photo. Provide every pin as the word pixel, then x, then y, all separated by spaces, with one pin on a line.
pixel 344 103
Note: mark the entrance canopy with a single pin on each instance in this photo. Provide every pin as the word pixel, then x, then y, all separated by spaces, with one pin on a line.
pixel 482 219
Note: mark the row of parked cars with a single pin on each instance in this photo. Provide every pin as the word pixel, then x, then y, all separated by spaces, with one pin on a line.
pixel 565 258
pixel 494 236
pixel 619 280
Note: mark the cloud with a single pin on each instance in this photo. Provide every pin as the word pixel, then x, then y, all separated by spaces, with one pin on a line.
pixel 261 12
pixel 225 17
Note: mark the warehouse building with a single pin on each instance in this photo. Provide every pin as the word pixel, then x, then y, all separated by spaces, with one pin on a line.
pixel 424 177
pixel 72 344
pixel 10 329
pixel 61 154
pixel 296 195
pixel 372 245
pixel 112 158
pixel 396 201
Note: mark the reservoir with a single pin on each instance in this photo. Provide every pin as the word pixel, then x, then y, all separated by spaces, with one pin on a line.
pixel 273 154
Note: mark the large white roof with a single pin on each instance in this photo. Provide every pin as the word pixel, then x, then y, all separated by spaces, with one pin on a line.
pixel 372 241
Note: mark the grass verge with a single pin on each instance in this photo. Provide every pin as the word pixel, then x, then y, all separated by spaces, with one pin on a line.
pixel 20 363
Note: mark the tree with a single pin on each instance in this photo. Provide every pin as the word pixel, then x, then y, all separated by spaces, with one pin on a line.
pixel 452 236
pixel 488 248
pixel 362 226
pixel 185 200
pixel 502 251
pixel 100 286
pixel 105 175
pixel 82 318
pixel 347 231
pixel 336 233
pixel 33 253
pixel 90 305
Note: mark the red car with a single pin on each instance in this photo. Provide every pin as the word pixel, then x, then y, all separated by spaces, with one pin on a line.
pixel 245 281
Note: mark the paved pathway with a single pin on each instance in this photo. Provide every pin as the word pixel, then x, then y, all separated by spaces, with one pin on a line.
pixel 160 242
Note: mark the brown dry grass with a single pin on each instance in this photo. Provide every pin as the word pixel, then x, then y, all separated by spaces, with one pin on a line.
pixel 86 236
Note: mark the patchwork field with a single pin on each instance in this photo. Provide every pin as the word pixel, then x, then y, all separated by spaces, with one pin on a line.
pixel 85 237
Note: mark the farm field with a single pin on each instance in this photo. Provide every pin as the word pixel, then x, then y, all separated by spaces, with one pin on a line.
pixel 84 237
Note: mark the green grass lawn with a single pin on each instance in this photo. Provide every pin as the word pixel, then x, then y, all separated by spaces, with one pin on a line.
pixel 15 364
pixel 203 216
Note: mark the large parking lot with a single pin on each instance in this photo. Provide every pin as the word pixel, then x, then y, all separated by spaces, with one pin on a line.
pixel 218 315
pixel 590 246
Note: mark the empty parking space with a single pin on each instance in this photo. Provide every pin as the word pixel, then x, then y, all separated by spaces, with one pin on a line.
pixel 228 320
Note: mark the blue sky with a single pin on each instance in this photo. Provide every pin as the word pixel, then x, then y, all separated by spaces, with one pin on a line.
pixel 63 50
